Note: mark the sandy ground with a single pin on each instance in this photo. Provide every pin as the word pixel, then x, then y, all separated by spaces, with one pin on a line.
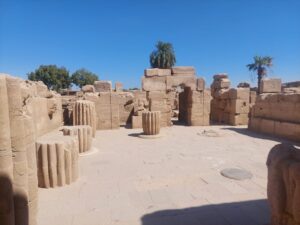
pixel 173 180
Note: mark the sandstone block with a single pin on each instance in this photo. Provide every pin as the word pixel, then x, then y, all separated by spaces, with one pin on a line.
pixel 240 93
pixel 137 122
pixel 183 70
pixel 157 72
pixel 173 82
pixel 154 84
pixel 270 86
pixel 103 86
pixel 118 87
pixel 200 84
pixel 88 88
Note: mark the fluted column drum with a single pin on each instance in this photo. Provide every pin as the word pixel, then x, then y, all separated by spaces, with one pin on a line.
pixel 57 161
pixel 84 135
pixel 151 122
pixel 84 113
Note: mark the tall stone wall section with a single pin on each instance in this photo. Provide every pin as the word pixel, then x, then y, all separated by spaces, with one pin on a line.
pixel 107 109
pixel 284 184
pixel 195 107
pixel 229 105
pixel 277 114
pixel 20 102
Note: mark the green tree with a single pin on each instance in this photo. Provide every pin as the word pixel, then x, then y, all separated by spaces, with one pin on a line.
pixel 83 77
pixel 260 66
pixel 54 77
pixel 163 57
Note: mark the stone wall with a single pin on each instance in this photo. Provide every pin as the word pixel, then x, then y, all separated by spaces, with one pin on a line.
pixel 277 114
pixel 229 105
pixel 28 110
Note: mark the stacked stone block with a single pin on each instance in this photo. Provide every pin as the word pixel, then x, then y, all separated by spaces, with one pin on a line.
pixel 284 184
pixel 277 115
pixel 84 134
pixel 151 122
pixel 103 86
pixel 118 87
pixel 141 104
pixel 229 106
pixel 57 160
pixel 107 109
pixel 158 101
pixel 270 86
pixel 194 107
pixel 126 105
pixel 84 113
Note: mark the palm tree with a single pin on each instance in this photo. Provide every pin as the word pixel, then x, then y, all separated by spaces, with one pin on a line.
pixel 260 65
pixel 163 57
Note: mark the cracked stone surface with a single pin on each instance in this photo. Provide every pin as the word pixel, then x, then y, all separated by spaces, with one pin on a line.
pixel 173 180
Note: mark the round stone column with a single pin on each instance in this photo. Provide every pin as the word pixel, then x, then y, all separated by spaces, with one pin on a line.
pixel 151 122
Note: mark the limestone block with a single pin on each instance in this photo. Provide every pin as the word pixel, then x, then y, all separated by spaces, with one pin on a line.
pixel 200 84
pixel 237 106
pixel 88 88
pixel 157 72
pixel 83 133
pixel 137 122
pixel 287 130
pixel 222 83
pixel 270 86
pixel 284 184
pixel 103 86
pixel 183 70
pixel 84 113
pixel 154 84
pixel 151 122
pixel 57 160
pixel 118 87
pixel 6 162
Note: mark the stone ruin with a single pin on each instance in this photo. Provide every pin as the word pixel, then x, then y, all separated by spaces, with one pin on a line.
pixel 36 150
pixel 229 105
pixel 284 184
pixel 275 112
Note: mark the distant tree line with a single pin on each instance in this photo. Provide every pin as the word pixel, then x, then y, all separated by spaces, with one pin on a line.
pixel 57 78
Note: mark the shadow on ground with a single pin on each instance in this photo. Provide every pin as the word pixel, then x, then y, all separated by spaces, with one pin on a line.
pixel 250 133
pixel 254 212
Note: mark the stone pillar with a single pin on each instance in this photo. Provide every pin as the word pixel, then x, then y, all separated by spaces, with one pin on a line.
pixel 84 135
pixel 18 144
pixel 284 184
pixel 151 122
pixel 84 113
pixel 6 163
pixel 57 161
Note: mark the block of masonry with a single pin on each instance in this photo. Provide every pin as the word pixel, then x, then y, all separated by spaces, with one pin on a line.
pixel 84 113
pixel 151 122
pixel 284 184
pixel 84 133
pixel 6 162
pixel 57 160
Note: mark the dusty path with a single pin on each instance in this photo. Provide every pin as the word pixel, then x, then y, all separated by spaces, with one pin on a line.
pixel 173 180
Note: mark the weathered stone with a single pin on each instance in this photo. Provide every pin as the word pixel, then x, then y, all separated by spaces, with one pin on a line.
pixel 154 84
pixel 151 122
pixel 183 70
pixel 84 113
pixel 57 160
pixel 270 86
pixel 88 88
pixel 83 133
pixel 103 86
pixel 118 87
pixel 284 184
pixel 157 72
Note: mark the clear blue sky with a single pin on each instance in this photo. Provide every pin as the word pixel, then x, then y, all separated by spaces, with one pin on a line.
pixel 114 38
